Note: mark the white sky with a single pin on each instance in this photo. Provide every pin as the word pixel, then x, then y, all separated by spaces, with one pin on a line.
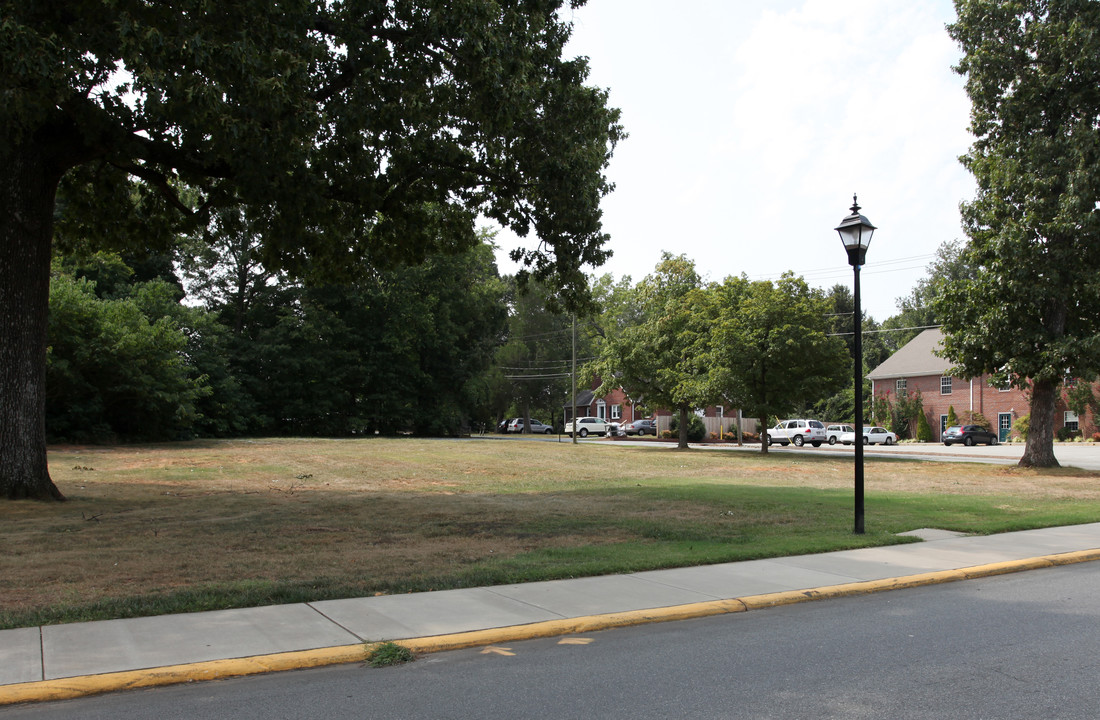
pixel 752 123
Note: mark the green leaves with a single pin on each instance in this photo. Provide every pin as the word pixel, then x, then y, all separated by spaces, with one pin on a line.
pixel 771 342
pixel 116 369
pixel 1029 313
pixel 374 130
pixel 759 346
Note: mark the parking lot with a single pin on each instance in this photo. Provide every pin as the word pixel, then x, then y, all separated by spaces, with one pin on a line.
pixel 1081 455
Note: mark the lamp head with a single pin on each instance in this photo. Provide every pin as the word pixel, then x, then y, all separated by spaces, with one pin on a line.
pixel 855 233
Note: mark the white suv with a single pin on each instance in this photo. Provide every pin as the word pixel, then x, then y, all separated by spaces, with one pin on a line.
pixel 587 426
pixel 798 432
pixel 833 432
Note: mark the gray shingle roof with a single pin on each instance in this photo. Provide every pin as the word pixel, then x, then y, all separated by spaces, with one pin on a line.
pixel 916 357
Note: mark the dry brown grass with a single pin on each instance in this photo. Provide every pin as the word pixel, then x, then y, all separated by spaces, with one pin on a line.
pixel 376 515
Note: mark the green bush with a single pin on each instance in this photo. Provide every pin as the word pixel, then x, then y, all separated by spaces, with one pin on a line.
pixel 1021 426
pixel 976 418
pixel 697 429
pixel 924 431
pixel 1066 434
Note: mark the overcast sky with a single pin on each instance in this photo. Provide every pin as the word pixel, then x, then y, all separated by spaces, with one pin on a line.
pixel 752 123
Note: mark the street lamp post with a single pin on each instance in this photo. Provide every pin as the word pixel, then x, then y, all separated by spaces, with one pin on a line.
pixel 855 233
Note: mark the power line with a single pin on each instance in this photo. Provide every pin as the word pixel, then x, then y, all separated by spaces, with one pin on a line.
pixel 845 271
pixel 885 330
pixel 538 377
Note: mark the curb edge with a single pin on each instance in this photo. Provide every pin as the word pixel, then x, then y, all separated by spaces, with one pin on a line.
pixel 85 685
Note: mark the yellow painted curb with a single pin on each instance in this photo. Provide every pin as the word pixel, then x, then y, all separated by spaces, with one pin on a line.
pixel 74 687
pixel 570 626
pixel 67 688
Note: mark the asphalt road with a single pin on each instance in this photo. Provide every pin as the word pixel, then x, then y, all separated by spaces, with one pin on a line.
pixel 1080 455
pixel 1015 646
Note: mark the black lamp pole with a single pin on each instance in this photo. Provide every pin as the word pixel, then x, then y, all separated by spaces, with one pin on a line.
pixel 855 233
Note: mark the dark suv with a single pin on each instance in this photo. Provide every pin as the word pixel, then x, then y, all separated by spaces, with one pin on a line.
pixel 968 435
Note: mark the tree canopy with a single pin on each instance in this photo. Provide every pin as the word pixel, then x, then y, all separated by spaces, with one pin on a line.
pixel 1029 313
pixel 357 133
pixel 660 357
pixel 772 348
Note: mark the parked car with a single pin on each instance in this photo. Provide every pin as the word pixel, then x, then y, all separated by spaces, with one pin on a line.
pixel 871 436
pixel 517 426
pixel 833 432
pixel 798 432
pixel 641 427
pixel 969 435
pixel 586 426
pixel 502 426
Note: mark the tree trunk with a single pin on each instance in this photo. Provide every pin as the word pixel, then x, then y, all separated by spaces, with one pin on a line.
pixel 683 429
pixel 27 191
pixel 1039 448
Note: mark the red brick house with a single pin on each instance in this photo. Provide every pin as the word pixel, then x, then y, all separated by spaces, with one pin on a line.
pixel 916 367
pixel 617 406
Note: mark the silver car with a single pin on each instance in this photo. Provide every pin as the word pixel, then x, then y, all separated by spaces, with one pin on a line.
pixel 517 426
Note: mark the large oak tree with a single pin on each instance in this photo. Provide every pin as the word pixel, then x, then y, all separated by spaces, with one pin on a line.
pixel 1029 311
pixel 361 130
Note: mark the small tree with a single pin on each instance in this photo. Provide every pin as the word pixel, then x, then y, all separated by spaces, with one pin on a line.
pixel 952 418
pixel 1080 398
pixel 971 417
pixel 1021 426
pixel 907 407
pixel 924 431
pixel 771 347
pixel 662 354
pixel 881 408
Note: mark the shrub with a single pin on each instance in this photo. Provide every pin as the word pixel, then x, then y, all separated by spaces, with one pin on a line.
pixel 1021 426
pixel 976 418
pixel 1066 434
pixel 924 431
pixel 952 418
pixel 697 429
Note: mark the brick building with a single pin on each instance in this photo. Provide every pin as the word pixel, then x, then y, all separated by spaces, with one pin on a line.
pixel 617 406
pixel 916 367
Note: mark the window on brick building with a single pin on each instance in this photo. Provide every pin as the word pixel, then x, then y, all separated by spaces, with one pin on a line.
pixel 945 385
pixel 901 385
pixel 1071 421
pixel 616 412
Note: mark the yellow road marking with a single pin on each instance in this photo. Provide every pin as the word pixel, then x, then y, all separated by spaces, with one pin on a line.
pixel 493 650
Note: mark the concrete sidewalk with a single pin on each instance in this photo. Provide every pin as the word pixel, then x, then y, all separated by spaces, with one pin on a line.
pixel 61 661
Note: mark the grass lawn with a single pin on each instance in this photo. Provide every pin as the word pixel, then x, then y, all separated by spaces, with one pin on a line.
pixel 217 524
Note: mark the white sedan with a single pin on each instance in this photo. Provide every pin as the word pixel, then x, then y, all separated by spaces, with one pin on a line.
pixel 871 436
